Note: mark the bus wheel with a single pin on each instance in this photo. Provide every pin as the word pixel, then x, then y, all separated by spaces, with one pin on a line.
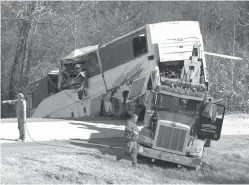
pixel 117 107
pixel 130 107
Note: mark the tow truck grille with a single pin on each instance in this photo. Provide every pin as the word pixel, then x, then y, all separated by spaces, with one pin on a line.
pixel 171 138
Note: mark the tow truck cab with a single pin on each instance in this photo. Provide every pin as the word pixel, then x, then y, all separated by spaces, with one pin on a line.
pixel 177 124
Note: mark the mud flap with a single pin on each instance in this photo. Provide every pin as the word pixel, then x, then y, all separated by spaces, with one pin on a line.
pixel 207 143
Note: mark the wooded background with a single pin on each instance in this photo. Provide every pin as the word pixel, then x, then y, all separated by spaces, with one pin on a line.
pixel 36 34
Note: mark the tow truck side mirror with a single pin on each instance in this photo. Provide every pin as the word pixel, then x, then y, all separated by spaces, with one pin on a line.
pixel 208 127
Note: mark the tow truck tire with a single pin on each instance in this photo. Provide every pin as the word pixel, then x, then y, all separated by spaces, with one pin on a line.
pixel 208 143
pixel 117 107
pixel 199 143
pixel 199 168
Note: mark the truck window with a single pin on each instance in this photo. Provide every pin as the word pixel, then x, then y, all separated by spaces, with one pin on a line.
pixel 167 102
pixel 31 99
pixel 188 106
pixel 52 84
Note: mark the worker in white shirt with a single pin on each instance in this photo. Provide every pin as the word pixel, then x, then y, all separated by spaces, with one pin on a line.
pixel 20 113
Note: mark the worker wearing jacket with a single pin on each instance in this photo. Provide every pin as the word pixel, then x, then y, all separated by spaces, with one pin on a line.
pixel 130 137
pixel 20 113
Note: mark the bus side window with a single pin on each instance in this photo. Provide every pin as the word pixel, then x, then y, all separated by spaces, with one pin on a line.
pixel 149 86
pixel 93 65
pixel 139 45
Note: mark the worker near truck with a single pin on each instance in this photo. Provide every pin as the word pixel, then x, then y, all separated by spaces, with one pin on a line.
pixel 20 113
pixel 131 138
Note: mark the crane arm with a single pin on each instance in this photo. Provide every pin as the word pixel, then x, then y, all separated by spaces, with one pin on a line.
pixel 223 56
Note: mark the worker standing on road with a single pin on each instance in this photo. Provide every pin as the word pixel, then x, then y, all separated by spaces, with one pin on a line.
pixel 131 137
pixel 20 113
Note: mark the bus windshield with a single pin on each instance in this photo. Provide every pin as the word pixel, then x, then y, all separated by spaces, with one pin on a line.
pixel 175 104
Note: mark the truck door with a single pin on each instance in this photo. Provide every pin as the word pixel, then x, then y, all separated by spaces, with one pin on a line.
pixel 210 125
pixel 138 88
pixel 136 94
pixel 149 110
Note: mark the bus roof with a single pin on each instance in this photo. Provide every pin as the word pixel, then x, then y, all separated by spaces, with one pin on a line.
pixel 80 52
pixel 164 31
pixel 173 29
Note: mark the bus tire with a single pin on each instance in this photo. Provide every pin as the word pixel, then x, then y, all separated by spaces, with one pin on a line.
pixel 117 107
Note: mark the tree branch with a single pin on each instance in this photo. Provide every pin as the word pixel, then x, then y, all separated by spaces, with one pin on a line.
pixel 28 20
pixel 244 23
pixel 83 5
pixel 37 11
pixel 73 31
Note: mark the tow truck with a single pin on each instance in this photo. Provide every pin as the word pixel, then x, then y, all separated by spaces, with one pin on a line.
pixel 178 122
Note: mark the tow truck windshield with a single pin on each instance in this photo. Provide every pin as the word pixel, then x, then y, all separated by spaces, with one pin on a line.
pixel 175 104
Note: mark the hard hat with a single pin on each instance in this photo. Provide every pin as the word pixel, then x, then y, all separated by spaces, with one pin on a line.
pixel 20 95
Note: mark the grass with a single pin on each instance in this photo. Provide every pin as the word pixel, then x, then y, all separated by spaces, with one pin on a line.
pixel 226 162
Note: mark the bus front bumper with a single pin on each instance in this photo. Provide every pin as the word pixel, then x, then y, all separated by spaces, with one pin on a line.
pixel 170 157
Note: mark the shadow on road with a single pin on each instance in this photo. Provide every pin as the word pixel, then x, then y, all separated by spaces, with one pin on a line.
pixel 104 120
pixel 108 146
pixel 107 140
pixel 102 131
pixel 6 139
